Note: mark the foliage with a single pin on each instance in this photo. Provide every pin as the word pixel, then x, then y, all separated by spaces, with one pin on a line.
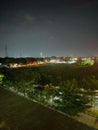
pixel 71 84
pixel 1 78
pixel 88 61
pixel 73 100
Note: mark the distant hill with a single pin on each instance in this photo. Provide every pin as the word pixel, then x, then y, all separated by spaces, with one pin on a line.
pixel 19 113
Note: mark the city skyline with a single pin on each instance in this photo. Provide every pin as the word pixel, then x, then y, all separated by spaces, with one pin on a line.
pixel 53 28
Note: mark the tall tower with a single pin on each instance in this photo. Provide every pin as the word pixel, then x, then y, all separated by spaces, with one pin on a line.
pixel 6 51
pixel 41 54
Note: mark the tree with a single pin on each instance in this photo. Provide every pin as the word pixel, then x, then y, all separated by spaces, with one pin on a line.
pixel 88 61
pixel 1 78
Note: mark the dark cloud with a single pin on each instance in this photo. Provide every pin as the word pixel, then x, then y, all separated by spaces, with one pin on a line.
pixel 60 27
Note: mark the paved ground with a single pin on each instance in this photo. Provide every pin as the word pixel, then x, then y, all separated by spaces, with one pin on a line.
pixel 88 119
pixel 18 113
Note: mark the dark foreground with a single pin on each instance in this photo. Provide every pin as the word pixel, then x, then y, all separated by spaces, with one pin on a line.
pixel 18 113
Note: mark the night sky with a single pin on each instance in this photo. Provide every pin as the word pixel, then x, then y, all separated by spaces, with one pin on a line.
pixel 53 27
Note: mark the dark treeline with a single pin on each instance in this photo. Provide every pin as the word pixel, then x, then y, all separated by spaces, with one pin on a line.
pixel 25 60
pixel 8 60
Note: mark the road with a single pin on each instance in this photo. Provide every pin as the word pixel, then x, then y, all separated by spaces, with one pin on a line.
pixel 88 119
